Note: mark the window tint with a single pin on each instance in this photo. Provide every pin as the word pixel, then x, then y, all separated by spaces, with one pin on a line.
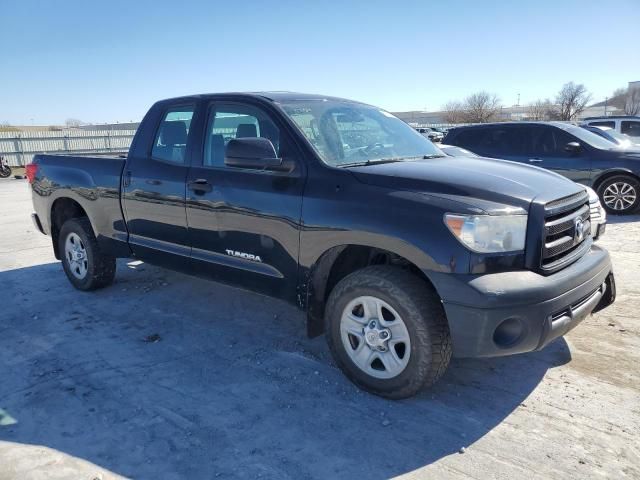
pixel 469 138
pixel 171 139
pixel 630 128
pixel 550 141
pixel 603 124
pixel 503 141
pixel 229 121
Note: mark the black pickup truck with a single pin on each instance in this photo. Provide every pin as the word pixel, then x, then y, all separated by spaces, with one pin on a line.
pixel 401 255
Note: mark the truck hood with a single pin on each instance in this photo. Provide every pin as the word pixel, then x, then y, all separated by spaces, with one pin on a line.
pixel 483 182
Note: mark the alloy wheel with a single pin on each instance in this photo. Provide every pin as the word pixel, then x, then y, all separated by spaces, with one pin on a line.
pixel 619 196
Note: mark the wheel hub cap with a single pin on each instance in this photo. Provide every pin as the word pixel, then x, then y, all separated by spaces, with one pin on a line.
pixel 76 256
pixel 375 337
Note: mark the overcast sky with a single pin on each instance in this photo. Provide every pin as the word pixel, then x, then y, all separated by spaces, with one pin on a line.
pixel 108 61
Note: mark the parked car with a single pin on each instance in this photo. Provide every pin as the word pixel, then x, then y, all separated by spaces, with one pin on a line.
pixel 454 151
pixel 619 139
pixel 627 125
pixel 598 215
pixel 400 255
pixel 430 133
pixel 567 149
pixel 442 130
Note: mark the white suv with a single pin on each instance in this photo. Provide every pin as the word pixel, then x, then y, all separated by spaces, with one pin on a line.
pixel 627 125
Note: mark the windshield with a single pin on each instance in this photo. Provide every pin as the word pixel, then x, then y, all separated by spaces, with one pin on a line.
pixel 591 138
pixel 344 132
pixel 622 139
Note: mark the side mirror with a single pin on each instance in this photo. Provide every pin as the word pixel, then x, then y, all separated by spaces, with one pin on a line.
pixel 572 147
pixel 256 153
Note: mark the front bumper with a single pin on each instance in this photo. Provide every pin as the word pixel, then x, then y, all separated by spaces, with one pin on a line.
pixel 522 311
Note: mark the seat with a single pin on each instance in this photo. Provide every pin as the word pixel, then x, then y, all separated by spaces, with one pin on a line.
pixel 245 130
pixel 216 150
pixel 173 137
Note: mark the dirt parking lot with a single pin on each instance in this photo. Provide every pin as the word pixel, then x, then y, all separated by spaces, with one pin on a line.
pixel 166 376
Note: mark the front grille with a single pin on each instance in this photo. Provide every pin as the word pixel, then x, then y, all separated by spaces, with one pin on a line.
pixel 567 231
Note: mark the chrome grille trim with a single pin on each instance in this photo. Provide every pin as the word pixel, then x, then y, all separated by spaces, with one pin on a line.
pixel 561 243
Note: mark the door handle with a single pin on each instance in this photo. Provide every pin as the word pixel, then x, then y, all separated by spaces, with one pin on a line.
pixel 200 185
pixel 535 160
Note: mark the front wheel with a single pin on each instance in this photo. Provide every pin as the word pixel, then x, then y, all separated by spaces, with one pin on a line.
pixel 86 266
pixel 5 171
pixel 388 331
pixel 620 194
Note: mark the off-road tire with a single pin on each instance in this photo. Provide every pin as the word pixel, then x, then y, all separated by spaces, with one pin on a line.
pixel 423 314
pixel 101 269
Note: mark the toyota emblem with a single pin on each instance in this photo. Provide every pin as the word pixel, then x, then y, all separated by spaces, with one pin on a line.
pixel 579 235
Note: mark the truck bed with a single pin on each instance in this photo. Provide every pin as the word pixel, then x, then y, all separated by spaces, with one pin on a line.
pixel 93 182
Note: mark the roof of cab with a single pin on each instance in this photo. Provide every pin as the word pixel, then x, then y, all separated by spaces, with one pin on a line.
pixel 277 97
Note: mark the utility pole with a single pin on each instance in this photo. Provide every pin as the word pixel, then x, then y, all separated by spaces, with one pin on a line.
pixel 518 104
pixel 606 99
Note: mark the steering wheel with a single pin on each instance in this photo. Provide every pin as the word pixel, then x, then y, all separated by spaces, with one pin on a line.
pixel 371 148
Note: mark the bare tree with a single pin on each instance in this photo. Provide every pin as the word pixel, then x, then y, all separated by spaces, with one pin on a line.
pixel 619 92
pixel 481 107
pixel 540 110
pixel 571 101
pixel 632 103
pixel 73 122
pixel 454 112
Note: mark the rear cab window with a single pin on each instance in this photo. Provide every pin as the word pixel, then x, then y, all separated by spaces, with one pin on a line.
pixel 170 144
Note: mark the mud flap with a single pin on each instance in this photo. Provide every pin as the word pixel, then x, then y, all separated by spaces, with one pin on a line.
pixel 609 295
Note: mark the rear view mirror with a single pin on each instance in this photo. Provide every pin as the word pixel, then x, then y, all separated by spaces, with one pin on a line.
pixel 256 153
pixel 572 147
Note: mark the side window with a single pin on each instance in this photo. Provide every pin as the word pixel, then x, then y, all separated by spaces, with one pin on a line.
pixel 500 141
pixel 469 138
pixel 603 124
pixel 631 128
pixel 550 142
pixel 229 121
pixel 171 139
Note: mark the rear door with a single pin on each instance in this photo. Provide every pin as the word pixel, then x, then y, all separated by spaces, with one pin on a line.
pixel 154 190
pixel 244 224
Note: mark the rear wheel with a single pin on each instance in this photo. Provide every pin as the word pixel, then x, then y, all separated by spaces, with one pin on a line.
pixel 5 171
pixel 85 265
pixel 620 194
pixel 387 331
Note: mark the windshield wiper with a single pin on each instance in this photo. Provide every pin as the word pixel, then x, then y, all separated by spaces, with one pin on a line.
pixel 378 161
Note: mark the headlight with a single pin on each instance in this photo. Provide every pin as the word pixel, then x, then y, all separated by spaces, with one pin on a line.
pixel 489 234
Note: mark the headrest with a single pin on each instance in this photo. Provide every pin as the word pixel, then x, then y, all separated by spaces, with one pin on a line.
pixel 245 130
pixel 217 140
pixel 173 133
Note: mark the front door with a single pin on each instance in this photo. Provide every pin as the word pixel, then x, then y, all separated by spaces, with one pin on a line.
pixel 548 151
pixel 154 193
pixel 244 224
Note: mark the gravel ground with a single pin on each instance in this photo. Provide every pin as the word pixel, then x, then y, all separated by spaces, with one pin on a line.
pixel 166 376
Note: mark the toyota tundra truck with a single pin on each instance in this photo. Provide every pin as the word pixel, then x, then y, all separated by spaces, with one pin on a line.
pixel 400 255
